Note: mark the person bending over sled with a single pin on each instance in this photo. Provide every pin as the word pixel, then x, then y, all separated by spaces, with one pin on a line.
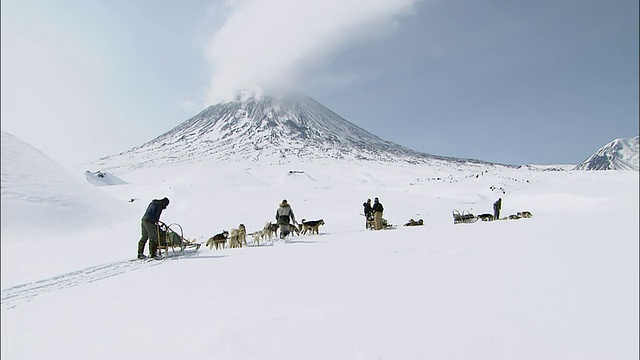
pixel 149 227
pixel 368 213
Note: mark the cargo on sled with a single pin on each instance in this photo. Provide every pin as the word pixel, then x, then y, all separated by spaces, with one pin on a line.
pixel 172 237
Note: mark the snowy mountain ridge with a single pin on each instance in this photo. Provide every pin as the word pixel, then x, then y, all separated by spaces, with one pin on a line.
pixel 619 154
pixel 268 129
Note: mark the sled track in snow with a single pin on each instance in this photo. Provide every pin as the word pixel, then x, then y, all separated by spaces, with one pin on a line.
pixel 20 294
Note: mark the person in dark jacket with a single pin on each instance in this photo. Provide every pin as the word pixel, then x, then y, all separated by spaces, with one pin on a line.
pixel 149 227
pixel 368 213
pixel 284 216
pixel 377 213
pixel 496 209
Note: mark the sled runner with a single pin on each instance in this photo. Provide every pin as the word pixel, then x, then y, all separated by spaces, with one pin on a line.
pixel 465 217
pixel 371 225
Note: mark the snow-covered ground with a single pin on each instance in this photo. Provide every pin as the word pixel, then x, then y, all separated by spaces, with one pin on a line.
pixel 560 285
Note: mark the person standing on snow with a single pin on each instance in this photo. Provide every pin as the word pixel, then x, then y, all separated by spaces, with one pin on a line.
pixel 377 213
pixel 496 209
pixel 284 215
pixel 149 227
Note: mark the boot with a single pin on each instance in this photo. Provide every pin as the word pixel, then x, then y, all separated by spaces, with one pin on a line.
pixel 153 248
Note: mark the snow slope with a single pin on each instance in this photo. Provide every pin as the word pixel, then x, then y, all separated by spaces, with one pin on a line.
pixel 37 189
pixel 561 285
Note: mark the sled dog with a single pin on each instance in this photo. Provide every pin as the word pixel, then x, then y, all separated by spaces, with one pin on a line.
pixel 218 240
pixel 485 217
pixel 313 225
pixel 238 237
pixel 270 230
pixel 257 235
pixel 525 214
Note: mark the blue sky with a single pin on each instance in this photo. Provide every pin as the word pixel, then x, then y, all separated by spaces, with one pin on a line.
pixel 517 82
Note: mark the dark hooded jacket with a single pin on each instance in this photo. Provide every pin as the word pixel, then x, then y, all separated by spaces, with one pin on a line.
pixel 497 206
pixel 152 215
pixel 368 210
pixel 377 206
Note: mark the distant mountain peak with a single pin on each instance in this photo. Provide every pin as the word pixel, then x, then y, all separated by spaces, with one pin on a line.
pixel 276 128
pixel 619 154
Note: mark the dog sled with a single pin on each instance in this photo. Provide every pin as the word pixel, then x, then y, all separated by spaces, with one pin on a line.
pixel 464 217
pixel 371 225
pixel 172 237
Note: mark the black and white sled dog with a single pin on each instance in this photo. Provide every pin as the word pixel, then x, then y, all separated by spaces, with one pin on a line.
pixel 485 217
pixel 525 214
pixel 218 240
pixel 269 231
pixel 313 225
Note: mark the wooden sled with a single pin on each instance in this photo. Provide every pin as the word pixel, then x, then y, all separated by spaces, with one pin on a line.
pixel 172 237
pixel 464 217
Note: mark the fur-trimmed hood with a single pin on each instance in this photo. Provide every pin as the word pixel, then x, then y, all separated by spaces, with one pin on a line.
pixel 285 212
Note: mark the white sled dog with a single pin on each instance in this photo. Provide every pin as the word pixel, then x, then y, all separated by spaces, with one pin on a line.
pixel 257 236
pixel 238 237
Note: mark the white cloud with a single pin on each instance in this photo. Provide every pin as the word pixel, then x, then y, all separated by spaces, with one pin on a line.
pixel 269 43
pixel 191 106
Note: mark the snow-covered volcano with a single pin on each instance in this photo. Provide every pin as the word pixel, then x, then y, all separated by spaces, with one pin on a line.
pixel 620 154
pixel 269 129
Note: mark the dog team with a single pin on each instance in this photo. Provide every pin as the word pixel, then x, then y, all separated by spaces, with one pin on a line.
pixel 497 206
pixel 285 225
